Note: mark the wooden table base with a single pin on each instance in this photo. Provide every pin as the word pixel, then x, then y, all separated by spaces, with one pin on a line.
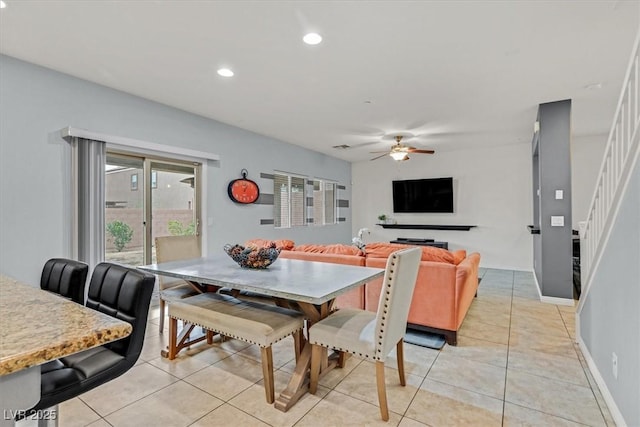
pixel 179 341
pixel 299 382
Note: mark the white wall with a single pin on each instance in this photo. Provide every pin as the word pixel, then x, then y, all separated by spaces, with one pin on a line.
pixel 492 189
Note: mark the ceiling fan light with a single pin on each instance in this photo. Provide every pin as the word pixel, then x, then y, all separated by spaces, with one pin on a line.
pixel 398 155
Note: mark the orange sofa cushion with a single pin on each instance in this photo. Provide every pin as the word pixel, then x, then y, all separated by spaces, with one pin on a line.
pixel 459 256
pixel 429 253
pixel 341 249
pixel 337 249
pixel 317 249
pixel 284 244
pixel 382 250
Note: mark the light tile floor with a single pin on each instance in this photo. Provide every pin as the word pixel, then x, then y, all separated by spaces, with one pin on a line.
pixel 515 364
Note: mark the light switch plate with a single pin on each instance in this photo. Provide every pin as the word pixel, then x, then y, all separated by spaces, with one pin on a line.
pixel 559 194
pixel 557 221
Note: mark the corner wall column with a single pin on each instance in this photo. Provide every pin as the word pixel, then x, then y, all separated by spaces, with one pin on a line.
pixel 552 200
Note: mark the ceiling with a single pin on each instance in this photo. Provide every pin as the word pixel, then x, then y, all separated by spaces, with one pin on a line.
pixel 458 74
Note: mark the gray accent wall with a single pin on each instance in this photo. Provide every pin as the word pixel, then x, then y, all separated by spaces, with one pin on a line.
pixel 552 248
pixel 35 103
pixel 610 318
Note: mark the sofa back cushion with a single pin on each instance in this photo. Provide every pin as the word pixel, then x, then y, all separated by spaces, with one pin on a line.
pixel 337 249
pixel 320 257
pixel 340 249
pixel 283 244
pixel 382 250
pixel 429 253
pixel 459 256
pixel 316 249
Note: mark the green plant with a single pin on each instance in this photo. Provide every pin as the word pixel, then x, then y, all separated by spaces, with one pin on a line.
pixel 121 233
pixel 382 217
pixel 176 228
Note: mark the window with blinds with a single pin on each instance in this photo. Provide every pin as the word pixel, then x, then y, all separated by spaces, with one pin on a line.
pixel 324 202
pixel 288 201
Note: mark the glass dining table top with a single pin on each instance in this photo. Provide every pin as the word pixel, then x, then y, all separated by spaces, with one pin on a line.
pixel 305 281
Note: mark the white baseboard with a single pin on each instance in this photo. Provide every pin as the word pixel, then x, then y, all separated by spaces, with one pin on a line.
pixel 606 394
pixel 552 300
pixel 558 301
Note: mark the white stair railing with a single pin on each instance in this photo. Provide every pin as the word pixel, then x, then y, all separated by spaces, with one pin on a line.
pixel 619 156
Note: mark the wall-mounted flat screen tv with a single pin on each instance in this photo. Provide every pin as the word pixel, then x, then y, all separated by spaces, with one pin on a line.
pixel 423 195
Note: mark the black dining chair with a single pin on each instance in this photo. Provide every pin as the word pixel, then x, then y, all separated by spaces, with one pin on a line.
pixel 65 277
pixel 121 292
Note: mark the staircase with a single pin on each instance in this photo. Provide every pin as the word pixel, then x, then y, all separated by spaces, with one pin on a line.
pixel 607 317
pixel 620 156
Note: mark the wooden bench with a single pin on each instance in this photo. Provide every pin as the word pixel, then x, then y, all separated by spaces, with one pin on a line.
pixel 249 321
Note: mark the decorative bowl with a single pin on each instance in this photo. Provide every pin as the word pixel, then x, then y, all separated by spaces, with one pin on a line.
pixel 252 257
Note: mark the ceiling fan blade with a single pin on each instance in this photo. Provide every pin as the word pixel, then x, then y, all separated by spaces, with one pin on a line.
pixel 376 152
pixel 415 150
pixel 381 155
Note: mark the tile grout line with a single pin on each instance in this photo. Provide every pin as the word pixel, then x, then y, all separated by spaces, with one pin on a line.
pixel 506 368
pixel 420 386
pixel 137 400
pixel 585 369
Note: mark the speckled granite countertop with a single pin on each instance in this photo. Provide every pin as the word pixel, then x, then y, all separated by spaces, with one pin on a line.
pixel 37 326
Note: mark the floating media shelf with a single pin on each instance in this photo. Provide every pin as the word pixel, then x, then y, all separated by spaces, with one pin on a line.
pixel 429 226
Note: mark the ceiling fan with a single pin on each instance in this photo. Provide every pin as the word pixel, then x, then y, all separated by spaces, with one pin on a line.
pixel 400 152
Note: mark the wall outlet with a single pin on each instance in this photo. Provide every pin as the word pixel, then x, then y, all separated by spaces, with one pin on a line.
pixel 614 365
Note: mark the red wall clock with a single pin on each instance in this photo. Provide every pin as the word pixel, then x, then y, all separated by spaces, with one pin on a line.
pixel 243 190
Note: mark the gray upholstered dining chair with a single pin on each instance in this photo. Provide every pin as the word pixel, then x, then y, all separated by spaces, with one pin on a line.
pixel 65 277
pixel 372 335
pixel 175 248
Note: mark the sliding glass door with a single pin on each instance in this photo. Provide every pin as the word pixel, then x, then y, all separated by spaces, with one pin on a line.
pixel 147 198
pixel 174 201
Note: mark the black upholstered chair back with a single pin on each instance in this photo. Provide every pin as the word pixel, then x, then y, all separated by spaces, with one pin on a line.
pixel 123 293
pixel 65 277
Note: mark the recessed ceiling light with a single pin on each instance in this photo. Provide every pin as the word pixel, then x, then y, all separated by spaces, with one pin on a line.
pixel 312 38
pixel 225 72
pixel 2 4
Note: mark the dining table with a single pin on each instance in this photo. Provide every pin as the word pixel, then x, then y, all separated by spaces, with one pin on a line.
pixel 36 327
pixel 308 286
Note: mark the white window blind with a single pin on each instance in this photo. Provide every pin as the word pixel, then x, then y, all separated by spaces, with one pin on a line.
pixel 297 211
pixel 288 201
pixel 324 202
pixel 330 203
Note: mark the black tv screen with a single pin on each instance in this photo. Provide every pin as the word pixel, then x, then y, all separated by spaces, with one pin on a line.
pixel 423 195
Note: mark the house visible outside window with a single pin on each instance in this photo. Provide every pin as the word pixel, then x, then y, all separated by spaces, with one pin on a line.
pixel 154 179
pixel 134 182
pixel 324 202
pixel 288 201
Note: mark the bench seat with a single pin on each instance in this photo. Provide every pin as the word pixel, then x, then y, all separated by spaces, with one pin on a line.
pixel 249 321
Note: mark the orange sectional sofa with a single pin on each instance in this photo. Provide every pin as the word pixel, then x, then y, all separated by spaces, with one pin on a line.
pixel 446 285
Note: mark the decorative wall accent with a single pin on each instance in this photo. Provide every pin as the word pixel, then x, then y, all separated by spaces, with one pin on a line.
pixel 267 199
